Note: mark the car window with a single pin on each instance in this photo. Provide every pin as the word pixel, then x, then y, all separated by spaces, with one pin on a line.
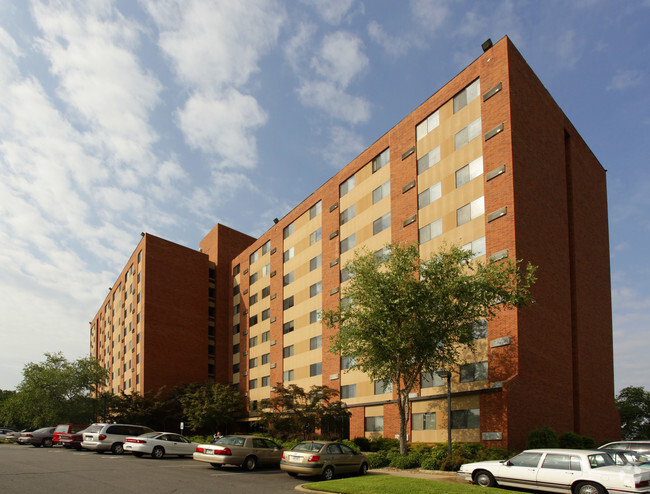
pixel 334 449
pixel 175 438
pixel 600 460
pixel 561 462
pixel 94 428
pixel 311 447
pixel 61 428
pixel 231 441
pixel 258 443
pixel 346 449
pixel 271 444
pixel 530 460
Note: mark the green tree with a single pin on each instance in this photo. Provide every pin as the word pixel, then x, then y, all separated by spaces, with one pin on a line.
pixel 210 406
pixel 408 315
pixel 293 412
pixel 633 405
pixel 160 411
pixel 54 391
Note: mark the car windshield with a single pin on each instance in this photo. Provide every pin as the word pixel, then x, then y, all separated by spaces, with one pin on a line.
pixel 43 430
pixel 600 460
pixel 61 428
pixel 150 434
pixel 94 428
pixel 311 447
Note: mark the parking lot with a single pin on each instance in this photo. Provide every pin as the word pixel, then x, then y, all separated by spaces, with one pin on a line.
pixel 25 469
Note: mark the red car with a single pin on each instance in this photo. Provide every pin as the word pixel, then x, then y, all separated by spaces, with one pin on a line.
pixel 65 429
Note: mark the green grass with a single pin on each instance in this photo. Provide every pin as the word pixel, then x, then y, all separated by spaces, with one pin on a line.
pixel 371 484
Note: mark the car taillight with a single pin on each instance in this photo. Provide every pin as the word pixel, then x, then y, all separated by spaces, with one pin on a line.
pixel 314 458
pixel 28 435
pixel 222 451
pixel 641 483
pixel 102 437
pixel 283 457
pixel 133 440
pixel 199 449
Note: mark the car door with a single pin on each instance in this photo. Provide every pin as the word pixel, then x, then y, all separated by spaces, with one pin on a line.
pixel 351 459
pixel 519 471
pixel 181 446
pixel 558 471
pixel 336 457
pixel 275 452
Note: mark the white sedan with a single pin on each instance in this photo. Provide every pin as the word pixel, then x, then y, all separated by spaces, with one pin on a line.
pixel 159 444
pixel 560 470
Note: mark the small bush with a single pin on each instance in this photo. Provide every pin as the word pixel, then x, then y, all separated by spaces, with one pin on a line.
pixel 289 444
pixel 588 442
pixel 424 448
pixel 363 443
pixel 352 444
pixel 542 438
pixel 411 460
pixel 571 440
pixel 384 444
pixel 429 463
pixel 493 454
pixel 452 463
pixel 378 460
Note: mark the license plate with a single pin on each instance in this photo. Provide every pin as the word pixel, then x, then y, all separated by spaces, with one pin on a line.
pixel 296 458
pixel 209 451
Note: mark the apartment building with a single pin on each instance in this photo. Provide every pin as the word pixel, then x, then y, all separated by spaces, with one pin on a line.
pixel 489 162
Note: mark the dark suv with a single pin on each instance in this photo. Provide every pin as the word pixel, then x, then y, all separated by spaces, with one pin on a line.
pixel 110 437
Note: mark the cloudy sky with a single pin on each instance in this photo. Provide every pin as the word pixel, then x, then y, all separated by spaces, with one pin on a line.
pixel 118 117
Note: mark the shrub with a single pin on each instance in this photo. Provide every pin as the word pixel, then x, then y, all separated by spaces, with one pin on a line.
pixel 430 463
pixel 352 444
pixel 384 444
pixel 452 463
pixel 571 440
pixel 363 443
pixel 289 444
pixel 588 442
pixel 542 438
pixel 412 460
pixel 493 454
pixel 378 460
pixel 421 448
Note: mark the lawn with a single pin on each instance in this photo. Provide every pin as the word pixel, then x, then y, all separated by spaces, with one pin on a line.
pixel 380 484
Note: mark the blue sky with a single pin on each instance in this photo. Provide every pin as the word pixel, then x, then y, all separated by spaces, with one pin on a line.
pixel 129 116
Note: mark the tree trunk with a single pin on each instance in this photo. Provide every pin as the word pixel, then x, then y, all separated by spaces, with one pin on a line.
pixel 403 406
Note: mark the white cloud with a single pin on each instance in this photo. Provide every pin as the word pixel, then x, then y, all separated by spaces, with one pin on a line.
pixel 331 11
pixel 395 46
pixel 340 59
pixel 344 145
pixel 625 79
pixel 431 14
pixel 299 45
pixel 334 101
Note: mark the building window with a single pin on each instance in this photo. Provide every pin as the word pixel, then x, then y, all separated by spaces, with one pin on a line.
pixel 348 362
pixel 287 375
pixel 466 419
pixel 480 329
pixel 139 257
pixel 315 262
pixel 380 161
pixel 469 172
pixel 235 309
pixel 382 255
pixel 266 381
pixel 266 313
pixel 432 230
pixel 380 192
pixel 266 247
pixel 315 236
pixel 315 369
pixel 266 336
pixel 428 160
pixel 288 230
pixel 429 195
pixel 346 186
pixel 379 225
pixel 252 363
pixel 252 342
pixel 254 256
pixel 235 348
pixel 348 243
pixel 235 329
pixel 374 424
pixel 345 275
pixel 470 211
pixel 382 388
pixel 287 351
pixel 431 380
pixel 314 316
pixel 252 384
pixel 287 327
pixel 266 269
pixel 467 95
pixel 315 210
pixel 266 291
pixel 235 270
pixel 288 278
pixel 315 342
pixel 253 278
pixel 427 125
pixel 315 289
pixel 287 303
pixel 476 247
pixel 466 134
pixel 235 368
pixel 347 215
pixel 252 300
pixel 424 421
pixel 288 254
pixel 477 371
pixel 348 391
pixel 252 321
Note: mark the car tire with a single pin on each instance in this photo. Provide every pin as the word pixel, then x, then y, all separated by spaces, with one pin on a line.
pixel 484 479
pixel 117 449
pixel 363 469
pixel 36 445
pixel 328 473
pixel 216 465
pixel 589 488
pixel 249 463
pixel 158 452
pixel 137 454
pixel 47 443
pixel 292 474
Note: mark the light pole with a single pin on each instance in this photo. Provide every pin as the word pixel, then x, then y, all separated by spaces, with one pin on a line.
pixel 447 375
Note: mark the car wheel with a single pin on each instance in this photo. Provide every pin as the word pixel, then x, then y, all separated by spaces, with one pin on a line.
pixel 137 454
pixel 589 488
pixel 292 474
pixel 36 445
pixel 158 452
pixel 363 469
pixel 250 463
pixel 484 479
pixel 216 465
pixel 47 443
pixel 328 473
pixel 117 449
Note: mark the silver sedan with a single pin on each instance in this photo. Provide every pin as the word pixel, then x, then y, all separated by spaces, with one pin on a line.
pixel 159 444
pixel 244 451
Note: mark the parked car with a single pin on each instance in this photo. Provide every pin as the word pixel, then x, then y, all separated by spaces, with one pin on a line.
pixel 244 451
pixel 73 440
pixel 4 431
pixel 573 471
pixel 324 458
pixel 626 457
pixel 641 447
pixel 13 436
pixel 159 444
pixel 39 437
pixel 65 429
pixel 110 437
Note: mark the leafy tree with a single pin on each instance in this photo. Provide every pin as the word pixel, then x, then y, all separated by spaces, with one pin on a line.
pixel 408 315
pixel 54 391
pixel 160 411
pixel 292 411
pixel 633 405
pixel 210 405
